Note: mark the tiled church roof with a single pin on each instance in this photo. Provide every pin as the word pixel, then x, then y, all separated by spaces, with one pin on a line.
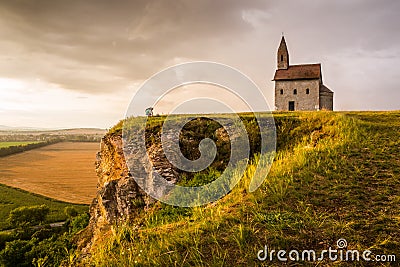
pixel 323 88
pixel 299 72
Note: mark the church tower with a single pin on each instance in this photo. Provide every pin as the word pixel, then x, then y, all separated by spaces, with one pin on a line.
pixel 283 55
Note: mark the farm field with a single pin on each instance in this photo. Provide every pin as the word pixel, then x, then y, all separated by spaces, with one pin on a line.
pixel 63 171
pixel 20 143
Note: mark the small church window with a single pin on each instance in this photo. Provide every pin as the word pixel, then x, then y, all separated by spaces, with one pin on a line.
pixel 307 91
pixel 281 57
pixel 281 91
pixel 295 91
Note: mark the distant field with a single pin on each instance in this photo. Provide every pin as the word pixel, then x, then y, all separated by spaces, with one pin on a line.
pixel 22 143
pixel 63 171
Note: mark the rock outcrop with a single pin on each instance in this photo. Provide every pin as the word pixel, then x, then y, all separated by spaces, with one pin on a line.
pixel 118 195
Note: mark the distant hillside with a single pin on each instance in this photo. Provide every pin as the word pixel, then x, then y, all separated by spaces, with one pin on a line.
pixel 8 128
pixel 37 131
pixel 335 176
pixel 4 128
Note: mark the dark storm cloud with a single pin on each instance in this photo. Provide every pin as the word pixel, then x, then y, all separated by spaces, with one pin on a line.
pixel 100 46
pixel 78 44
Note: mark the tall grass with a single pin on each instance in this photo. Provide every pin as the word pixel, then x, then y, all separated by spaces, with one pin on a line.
pixel 309 199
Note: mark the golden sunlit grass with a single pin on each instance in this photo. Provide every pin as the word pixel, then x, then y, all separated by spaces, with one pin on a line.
pixel 336 175
pixel 63 171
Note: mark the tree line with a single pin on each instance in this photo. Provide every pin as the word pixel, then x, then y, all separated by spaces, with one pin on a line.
pixel 43 141
pixel 49 137
pixel 5 151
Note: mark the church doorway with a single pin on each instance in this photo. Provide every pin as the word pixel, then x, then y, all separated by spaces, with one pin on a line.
pixel 291 105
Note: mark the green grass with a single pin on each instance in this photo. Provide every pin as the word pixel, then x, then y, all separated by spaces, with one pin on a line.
pixel 21 143
pixel 11 198
pixel 335 175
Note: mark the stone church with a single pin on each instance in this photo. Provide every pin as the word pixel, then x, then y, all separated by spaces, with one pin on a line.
pixel 299 87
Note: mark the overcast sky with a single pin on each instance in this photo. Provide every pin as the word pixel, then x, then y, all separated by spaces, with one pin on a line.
pixel 79 63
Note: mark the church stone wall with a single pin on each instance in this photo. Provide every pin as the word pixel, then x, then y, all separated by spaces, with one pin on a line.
pixel 326 101
pixel 302 101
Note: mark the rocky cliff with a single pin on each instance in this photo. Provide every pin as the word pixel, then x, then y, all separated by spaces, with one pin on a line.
pixel 119 198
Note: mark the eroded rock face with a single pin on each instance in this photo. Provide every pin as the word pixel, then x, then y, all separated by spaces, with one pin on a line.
pixel 117 191
pixel 119 197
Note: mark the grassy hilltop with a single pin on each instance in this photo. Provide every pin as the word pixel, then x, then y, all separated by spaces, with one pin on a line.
pixel 336 175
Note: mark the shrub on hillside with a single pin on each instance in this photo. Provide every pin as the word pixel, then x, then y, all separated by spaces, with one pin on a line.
pixel 28 216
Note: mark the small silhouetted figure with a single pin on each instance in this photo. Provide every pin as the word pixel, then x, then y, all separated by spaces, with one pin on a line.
pixel 149 111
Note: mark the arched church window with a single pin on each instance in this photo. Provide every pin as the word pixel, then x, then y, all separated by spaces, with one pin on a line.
pixel 295 91
pixel 281 91
pixel 307 91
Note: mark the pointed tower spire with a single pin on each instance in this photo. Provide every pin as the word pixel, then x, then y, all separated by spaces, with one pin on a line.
pixel 283 55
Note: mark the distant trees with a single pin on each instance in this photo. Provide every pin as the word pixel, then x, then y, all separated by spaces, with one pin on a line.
pixel 82 138
pixel 28 216
pixel 32 245
pixel 5 151
pixel 70 211
pixel 51 137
